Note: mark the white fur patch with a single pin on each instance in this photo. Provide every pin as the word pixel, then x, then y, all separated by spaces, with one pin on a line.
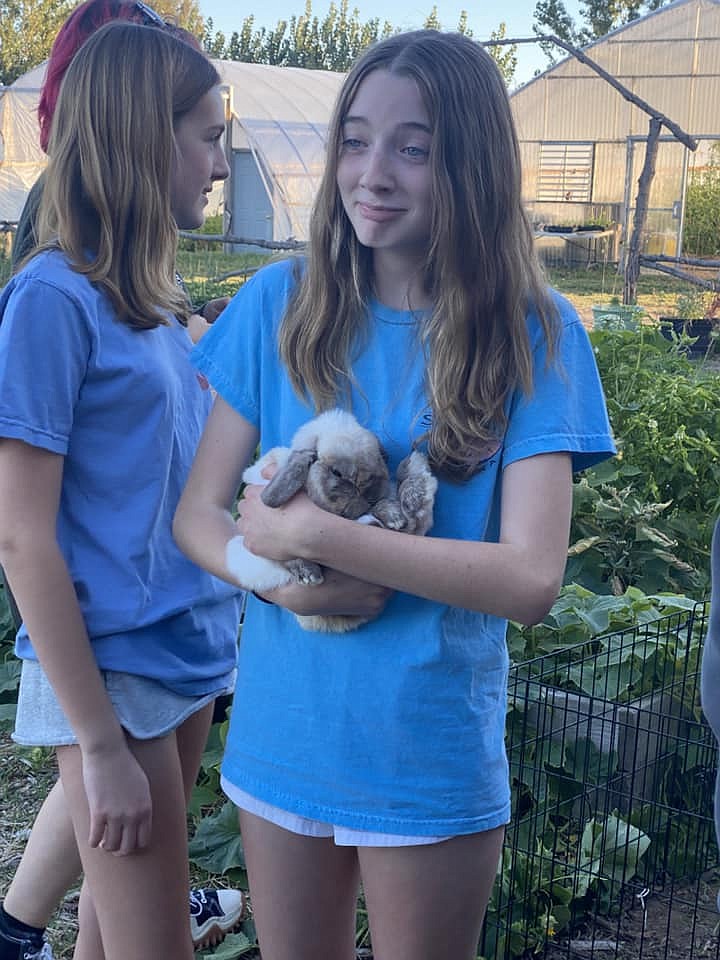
pixel 251 571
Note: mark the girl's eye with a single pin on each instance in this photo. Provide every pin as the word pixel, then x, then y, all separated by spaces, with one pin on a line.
pixel 351 143
pixel 415 153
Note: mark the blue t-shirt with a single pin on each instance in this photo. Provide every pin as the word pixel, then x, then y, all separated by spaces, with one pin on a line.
pixel 398 726
pixel 125 409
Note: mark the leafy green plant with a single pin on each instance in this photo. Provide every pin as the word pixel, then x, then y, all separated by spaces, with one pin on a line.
pixel 621 540
pixel 665 412
pixel 697 303
pixel 701 225
pixel 602 717
pixel 580 616
pixel 9 665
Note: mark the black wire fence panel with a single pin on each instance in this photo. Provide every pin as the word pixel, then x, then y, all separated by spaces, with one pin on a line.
pixel 611 851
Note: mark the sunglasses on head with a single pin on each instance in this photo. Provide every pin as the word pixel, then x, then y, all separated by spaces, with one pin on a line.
pixel 150 17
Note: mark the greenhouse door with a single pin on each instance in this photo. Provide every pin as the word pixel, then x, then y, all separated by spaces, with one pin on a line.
pixel 663 228
pixel 252 212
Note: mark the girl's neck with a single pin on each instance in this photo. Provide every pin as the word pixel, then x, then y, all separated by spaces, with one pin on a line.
pixel 399 285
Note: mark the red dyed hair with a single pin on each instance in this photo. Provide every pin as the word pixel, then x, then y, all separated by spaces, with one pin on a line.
pixel 81 24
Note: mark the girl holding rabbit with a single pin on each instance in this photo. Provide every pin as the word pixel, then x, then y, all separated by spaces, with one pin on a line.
pixel 378 756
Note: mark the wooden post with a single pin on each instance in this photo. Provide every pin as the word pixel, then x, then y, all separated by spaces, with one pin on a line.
pixel 632 256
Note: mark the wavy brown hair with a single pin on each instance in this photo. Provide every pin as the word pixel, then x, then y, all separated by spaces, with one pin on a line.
pixel 106 201
pixel 480 271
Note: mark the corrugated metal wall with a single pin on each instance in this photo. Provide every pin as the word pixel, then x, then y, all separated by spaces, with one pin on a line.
pixel 671 59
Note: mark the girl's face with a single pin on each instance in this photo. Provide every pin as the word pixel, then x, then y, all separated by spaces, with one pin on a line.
pixel 199 159
pixel 383 171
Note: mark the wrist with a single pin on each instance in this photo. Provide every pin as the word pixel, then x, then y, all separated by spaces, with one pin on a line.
pixel 262 599
pixel 102 744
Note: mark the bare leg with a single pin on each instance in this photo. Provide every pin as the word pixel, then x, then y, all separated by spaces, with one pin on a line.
pixel 136 906
pixel 191 739
pixel 428 902
pixel 304 892
pixel 50 864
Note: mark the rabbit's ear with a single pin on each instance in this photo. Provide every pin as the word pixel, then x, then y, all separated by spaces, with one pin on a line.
pixel 289 478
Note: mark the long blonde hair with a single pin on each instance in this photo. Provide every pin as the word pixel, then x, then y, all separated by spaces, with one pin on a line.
pixel 480 271
pixel 106 200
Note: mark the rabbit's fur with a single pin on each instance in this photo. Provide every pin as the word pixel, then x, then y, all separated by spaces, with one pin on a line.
pixel 341 466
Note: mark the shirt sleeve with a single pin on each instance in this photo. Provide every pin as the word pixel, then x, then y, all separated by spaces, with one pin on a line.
pixel 45 345
pixel 241 346
pixel 565 412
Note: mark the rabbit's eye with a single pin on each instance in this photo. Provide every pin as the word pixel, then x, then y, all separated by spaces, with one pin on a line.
pixel 336 473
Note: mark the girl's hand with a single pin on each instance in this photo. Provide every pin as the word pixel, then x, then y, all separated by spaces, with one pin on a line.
pixel 337 594
pixel 118 795
pixel 278 533
pixel 200 323
pixel 213 308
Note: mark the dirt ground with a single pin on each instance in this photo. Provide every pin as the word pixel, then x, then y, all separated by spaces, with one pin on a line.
pixel 681 923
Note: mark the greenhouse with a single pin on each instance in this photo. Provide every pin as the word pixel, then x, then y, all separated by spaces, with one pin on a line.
pixel 277 124
pixel 583 143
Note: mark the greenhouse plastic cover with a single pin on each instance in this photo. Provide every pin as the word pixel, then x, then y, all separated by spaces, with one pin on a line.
pixel 281 114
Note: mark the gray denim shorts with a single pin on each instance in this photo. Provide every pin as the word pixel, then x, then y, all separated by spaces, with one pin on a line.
pixel 145 708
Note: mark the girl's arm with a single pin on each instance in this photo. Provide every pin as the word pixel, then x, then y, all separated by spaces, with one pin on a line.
pixel 204 522
pixel 518 577
pixel 116 787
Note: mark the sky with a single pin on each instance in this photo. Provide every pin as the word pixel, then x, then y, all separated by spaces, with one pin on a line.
pixel 227 15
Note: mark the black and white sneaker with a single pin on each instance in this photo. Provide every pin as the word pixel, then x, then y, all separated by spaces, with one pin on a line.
pixel 214 914
pixel 24 948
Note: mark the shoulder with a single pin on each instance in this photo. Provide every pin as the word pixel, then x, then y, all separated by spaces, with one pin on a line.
pixel 565 314
pixel 278 277
pixel 52 272
pixel 48 294
pixel 262 299
pixel 565 323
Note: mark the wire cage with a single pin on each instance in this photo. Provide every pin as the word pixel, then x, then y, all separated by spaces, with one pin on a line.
pixel 611 852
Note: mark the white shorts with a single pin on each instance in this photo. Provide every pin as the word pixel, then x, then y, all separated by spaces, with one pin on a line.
pixel 343 836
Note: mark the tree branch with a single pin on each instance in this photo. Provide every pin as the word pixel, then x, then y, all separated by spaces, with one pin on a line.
pixel 633 98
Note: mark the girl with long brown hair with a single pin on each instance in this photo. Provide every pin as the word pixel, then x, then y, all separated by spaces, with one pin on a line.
pixel 378 756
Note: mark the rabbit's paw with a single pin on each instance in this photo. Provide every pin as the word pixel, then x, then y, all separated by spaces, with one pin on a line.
pixel 390 514
pixel 417 491
pixel 305 571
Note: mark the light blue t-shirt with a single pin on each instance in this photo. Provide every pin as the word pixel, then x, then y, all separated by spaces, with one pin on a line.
pixel 125 409
pixel 398 726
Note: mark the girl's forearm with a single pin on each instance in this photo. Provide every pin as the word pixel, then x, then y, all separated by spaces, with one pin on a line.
pixel 202 532
pixel 502 579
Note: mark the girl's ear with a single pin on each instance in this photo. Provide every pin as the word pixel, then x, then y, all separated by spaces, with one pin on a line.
pixel 289 479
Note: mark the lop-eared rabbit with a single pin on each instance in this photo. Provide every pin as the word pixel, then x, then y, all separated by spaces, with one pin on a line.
pixel 341 466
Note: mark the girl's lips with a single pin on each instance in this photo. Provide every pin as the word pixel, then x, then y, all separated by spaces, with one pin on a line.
pixel 378 214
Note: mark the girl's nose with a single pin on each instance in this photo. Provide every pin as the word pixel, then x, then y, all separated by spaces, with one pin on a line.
pixel 221 169
pixel 377 173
